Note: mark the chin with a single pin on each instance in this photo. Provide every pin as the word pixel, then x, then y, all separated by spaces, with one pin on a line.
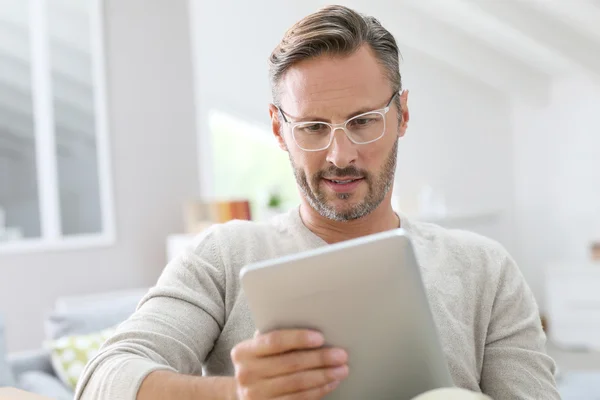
pixel 344 208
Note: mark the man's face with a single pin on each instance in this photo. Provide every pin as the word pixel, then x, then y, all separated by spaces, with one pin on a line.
pixel 346 181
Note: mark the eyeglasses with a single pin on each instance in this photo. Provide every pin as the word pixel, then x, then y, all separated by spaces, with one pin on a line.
pixel 361 129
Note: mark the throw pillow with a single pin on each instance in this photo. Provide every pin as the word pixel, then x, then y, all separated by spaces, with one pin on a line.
pixel 6 375
pixel 70 354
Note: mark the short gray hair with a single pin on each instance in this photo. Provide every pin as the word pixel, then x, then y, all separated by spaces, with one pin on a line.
pixel 334 30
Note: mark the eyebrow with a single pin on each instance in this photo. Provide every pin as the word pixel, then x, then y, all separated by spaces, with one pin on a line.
pixel 353 114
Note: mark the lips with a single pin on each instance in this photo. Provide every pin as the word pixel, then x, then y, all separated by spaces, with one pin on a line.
pixel 344 181
pixel 343 185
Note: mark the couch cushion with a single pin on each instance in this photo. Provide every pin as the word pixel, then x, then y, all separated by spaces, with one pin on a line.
pixel 30 360
pixel 6 375
pixel 77 323
pixel 110 299
pixel 44 384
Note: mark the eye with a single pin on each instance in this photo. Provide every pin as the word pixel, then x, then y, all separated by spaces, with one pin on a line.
pixel 313 128
pixel 361 122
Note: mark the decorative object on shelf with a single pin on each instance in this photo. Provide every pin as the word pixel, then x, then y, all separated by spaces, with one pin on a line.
pixel 198 214
pixel 544 321
pixel 272 203
pixel 595 251
pixel 275 200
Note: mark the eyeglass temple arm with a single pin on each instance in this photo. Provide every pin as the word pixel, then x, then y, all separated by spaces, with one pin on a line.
pixel 281 113
pixel 398 93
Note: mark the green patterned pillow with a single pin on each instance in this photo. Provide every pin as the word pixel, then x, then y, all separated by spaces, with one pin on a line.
pixel 70 354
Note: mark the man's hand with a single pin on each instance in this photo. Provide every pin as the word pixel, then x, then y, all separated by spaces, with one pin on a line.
pixel 287 364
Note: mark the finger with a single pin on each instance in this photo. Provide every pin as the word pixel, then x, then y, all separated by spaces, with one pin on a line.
pixel 276 342
pixel 282 341
pixel 312 394
pixel 296 361
pixel 301 381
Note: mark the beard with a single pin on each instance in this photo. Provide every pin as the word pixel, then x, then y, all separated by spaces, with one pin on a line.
pixel 377 188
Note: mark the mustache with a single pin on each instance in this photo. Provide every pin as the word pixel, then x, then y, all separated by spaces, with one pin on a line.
pixel 349 171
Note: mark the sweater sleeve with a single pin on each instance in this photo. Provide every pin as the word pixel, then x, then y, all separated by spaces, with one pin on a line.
pixel 515 364
pixel 174 327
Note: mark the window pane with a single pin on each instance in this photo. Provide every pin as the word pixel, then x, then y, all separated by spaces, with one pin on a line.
pixel 19 205
pixel 248 163
pixel 74 119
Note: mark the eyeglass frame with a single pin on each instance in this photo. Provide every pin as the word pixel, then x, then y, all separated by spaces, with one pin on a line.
pixel 382 111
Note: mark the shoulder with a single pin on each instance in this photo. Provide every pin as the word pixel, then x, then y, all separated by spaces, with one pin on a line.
pixel 461 242
pixel 242 233
pixel 458 249
pixel 237 243
pixel 231 235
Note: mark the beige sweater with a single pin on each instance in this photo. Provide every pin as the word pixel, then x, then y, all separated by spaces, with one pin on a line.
pixel 189 322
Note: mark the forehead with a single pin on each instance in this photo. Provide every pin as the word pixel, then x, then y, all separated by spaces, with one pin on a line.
pixel 334 86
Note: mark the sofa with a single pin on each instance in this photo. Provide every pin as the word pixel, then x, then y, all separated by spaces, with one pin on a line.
pixel 7 377
pixel 74 315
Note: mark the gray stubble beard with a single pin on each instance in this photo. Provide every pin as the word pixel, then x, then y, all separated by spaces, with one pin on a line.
pixel 378 188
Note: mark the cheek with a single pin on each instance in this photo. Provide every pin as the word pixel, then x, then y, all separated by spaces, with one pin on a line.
pixel 312 162
pixel 371 157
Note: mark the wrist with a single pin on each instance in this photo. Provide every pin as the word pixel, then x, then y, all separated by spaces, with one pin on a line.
pixel 231 389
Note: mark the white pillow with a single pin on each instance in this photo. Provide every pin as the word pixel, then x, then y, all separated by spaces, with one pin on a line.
pixel 70 354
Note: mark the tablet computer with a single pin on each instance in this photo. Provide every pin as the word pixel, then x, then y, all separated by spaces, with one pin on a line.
pixel 365 295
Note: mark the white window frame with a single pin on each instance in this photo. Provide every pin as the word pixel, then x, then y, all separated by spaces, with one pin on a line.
pixel 204 139
pixel 51 237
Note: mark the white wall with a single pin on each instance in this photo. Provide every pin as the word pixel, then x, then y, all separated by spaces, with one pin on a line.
pixel 459 142
pixel 152 144
pixel 459 139
pixel 557 157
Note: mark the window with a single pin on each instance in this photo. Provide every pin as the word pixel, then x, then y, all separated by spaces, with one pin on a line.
pixel 54 180
pixel 247 163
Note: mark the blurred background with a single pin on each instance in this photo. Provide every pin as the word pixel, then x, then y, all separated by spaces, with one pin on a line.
pixel 126 127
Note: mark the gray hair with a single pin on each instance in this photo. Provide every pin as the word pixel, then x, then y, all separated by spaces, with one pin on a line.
pixel 334 30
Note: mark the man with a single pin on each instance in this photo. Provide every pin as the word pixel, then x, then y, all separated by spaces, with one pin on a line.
pixel 338 111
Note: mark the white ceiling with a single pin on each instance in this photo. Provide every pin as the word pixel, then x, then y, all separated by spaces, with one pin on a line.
pixel 517 46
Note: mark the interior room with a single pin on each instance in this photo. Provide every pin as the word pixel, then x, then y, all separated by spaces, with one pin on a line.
pixel 128 128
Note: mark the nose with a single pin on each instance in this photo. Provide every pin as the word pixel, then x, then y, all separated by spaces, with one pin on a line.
pixel 342 152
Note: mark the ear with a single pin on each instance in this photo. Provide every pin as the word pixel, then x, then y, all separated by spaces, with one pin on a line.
pixel 405 113
pixel 277 127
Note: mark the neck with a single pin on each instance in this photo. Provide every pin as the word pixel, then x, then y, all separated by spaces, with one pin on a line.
pixel 383 218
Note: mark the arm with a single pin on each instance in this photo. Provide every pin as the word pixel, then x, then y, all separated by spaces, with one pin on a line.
pixel 515 363
pixel 287 364
pixel 172 331
pixel 161 385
